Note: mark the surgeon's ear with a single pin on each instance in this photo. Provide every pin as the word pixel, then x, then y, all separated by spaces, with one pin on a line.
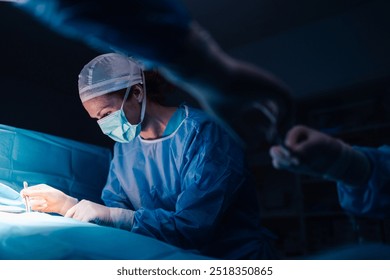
pixel 138 92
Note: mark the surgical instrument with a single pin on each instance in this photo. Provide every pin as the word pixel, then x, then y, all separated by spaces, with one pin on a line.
pixel 26 198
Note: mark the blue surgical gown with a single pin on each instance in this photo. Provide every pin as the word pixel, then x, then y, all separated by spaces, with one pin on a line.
pixel 190 189
pixel 372 199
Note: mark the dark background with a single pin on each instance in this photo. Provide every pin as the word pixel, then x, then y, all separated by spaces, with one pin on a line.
pixel 334 56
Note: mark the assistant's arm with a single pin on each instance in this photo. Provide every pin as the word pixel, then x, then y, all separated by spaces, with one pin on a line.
pixel 362 173
pixel 162 34
pixel 373 197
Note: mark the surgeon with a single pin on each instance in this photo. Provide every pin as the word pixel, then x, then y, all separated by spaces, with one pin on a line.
pixel 175 175
pixel 362 173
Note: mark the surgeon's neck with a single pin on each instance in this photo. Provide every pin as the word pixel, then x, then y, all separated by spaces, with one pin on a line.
pixel 156 120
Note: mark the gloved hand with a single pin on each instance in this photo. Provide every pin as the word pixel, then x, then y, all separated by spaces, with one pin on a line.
pixel 87 211
pixel 45 198
pixel 311 152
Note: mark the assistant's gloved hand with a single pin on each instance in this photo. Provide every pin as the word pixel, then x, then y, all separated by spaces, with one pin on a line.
pixel 88 211
pixel 311 152
pixel 45 198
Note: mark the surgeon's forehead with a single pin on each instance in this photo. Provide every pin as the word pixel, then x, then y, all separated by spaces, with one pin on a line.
pixel 107 101
pixel 111 97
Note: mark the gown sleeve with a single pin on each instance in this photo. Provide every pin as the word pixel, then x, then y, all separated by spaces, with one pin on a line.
pixel 373 198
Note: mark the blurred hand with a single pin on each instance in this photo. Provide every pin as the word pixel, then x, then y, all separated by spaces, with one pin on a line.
pixel 307 151
pixel 88 211
pixel 45 198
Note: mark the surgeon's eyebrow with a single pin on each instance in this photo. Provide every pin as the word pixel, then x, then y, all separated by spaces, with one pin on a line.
pixel 100 115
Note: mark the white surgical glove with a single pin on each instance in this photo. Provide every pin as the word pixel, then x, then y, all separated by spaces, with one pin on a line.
pixel 45 198
pixel 311 152
pixel 88 211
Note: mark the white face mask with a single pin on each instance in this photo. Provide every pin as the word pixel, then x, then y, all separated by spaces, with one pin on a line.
pixel 117 127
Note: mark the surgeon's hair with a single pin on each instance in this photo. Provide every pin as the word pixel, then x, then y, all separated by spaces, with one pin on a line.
pixel 157 87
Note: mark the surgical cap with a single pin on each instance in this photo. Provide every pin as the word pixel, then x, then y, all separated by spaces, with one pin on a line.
pixel 107 73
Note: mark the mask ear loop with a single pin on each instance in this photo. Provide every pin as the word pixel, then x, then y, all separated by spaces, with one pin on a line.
pixel 125 98
pixel 129 87
pixel 143 106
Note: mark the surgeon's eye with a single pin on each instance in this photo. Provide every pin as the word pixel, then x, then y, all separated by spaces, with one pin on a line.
pixel 105 114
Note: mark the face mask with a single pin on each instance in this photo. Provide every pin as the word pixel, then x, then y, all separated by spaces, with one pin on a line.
pixel 117 127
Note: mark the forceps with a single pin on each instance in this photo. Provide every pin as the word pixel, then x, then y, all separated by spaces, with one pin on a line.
pixel 26 198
